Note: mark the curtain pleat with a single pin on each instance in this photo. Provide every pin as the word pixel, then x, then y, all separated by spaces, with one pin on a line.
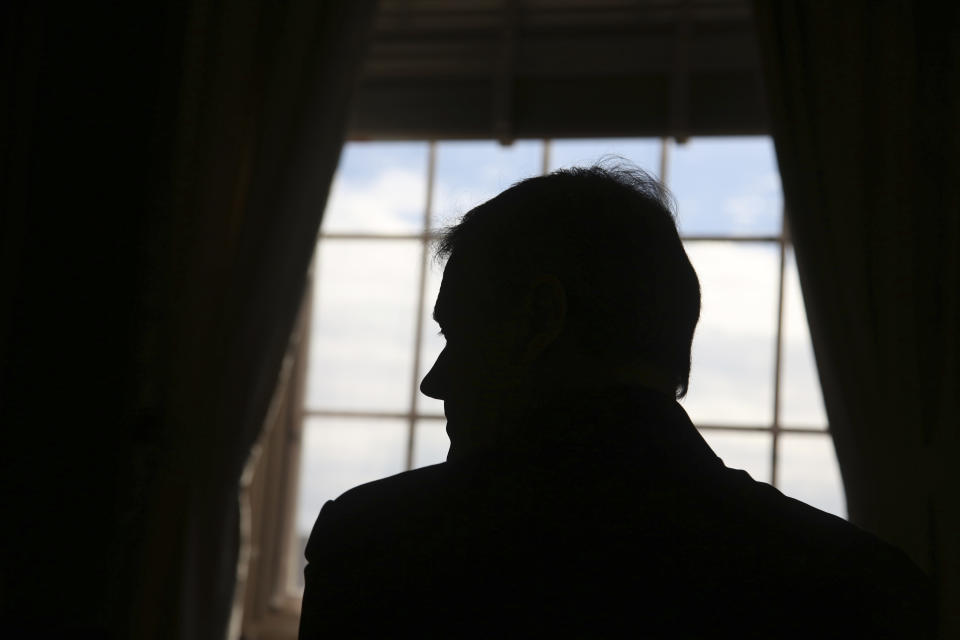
pixel 166 168
pixel 270 108
pixel 864 99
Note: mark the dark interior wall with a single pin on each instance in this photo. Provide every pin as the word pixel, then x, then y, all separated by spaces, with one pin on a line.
pixel 89 121
pixel 91 127
pixel 165 169
pixel 88 90
pixel 593 68
pixel 864 104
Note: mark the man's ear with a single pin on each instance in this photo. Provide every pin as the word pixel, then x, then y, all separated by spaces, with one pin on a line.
pixel 546 315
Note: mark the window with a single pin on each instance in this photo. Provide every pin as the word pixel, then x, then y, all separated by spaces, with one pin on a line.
pixel 754 392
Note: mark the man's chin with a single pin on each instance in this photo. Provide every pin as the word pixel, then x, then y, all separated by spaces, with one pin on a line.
pixel 459 448
pixel 454 453
pixel 462 449
pixel 452 449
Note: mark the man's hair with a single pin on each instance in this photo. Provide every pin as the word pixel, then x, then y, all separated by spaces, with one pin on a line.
pixel 609 234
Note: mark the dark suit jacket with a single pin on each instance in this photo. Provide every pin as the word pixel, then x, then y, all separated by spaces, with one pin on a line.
pixel 627 525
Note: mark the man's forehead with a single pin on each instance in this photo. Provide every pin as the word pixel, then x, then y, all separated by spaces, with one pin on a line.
pixel 441 309
pixel 459 279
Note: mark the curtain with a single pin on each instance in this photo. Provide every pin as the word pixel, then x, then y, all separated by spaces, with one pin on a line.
pixel 165 167
pixel 864 99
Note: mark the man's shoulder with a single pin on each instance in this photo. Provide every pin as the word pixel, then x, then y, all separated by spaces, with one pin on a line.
pixel 776 516
pixel 402 488
pixel 814 545
pixel 770 510
pixel 378 509
pixel 460 525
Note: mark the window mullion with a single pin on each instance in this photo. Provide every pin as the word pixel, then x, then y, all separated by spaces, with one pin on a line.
pixel 778 358
pixel 421 298
pixel 664 159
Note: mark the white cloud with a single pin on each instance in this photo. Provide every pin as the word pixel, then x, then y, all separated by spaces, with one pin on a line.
pixel 391 202
pixel 363 325
pixel 470 173
pixel 802 400
pixel 744 210
pixel 364 332
pixel 338 454
pixel 362 343
pixel 430 443
pixel 757 201
pixel 749 451
pixel 809 472
pixel 738 286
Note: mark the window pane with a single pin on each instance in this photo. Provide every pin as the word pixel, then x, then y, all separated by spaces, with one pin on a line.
pixel 731 376
pixel 338 454
pixel 750 451
pixel 430 443
pixel 433 342
pixel 726 186
pixel 809 472
pixel 361 345
pixel 801 400
pixel 379 187
pixel 470 173
pixel 642 152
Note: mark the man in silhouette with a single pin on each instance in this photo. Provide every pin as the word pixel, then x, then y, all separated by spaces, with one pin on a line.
pixel 577 498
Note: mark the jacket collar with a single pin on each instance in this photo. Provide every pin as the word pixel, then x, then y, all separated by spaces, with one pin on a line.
pixel 621 425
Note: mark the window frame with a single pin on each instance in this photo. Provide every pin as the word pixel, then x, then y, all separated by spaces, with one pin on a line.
pixel 278 603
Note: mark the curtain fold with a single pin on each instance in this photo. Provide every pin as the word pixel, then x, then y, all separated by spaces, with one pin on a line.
pixel 864 99
pixel 165 170
pixel 262 117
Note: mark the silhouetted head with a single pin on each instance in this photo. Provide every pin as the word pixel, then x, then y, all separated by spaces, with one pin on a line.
pixel 563 283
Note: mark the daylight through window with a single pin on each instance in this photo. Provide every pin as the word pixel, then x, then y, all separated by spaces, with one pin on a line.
pixel 754 392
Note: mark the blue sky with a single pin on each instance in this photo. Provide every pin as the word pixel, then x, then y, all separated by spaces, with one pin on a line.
pixel 365 298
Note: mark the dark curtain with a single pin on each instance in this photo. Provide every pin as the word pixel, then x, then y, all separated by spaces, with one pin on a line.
pixel 165 167
pixel 864 99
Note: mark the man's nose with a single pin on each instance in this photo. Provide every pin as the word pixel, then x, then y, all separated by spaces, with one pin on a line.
pixel 431 384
